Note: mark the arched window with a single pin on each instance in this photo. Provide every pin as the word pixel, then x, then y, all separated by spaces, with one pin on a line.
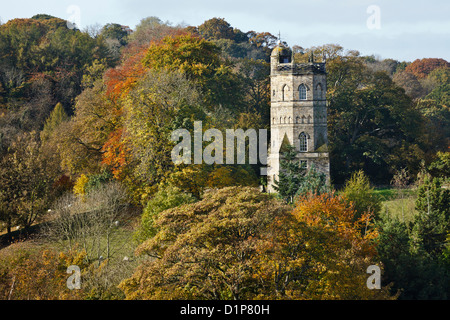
pixel 302 92
pixel 303 138
pixel 284 93
pixel 319 91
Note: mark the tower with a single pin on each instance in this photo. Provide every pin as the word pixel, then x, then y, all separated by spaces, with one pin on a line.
pixel 298 112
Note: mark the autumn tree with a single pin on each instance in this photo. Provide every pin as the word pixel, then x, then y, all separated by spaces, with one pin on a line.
pixel 200 61
pixel 27 179
pixel 321 253
pixel 246 244
pixel 30 273
pixel 56 118
pixel 80 140
pixel 160 103
pixel 206 250
pixel 422 67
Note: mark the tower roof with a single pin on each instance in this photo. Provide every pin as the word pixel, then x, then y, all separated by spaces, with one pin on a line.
pixel 281 50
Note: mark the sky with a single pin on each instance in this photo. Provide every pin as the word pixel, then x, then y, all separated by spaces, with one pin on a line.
pixel 401 30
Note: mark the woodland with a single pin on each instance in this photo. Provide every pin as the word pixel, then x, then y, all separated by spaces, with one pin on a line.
pixel 86 176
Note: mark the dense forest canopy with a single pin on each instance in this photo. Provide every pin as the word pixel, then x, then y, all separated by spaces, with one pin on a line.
pixel 82 109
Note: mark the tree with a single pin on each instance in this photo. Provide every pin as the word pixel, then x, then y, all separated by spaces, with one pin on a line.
pixel 166 198
pixel 431 197
pixel 161 102
pixel 441 166
pixel 27 182
pixel 115 31
pixel 414 256
pixel 360 194
pixel 56 118
pixel 200 61
pixel 216 28
pixel 295 180
pixel 208 249
pixel 91 221
pixel 80 140
pixel 256 85
pixel 409 82
pixel 291 174
pixel 422 67
pixel 320 253
pixel 31 273
pixel 151 29
pixel 372 121
pixel 314 182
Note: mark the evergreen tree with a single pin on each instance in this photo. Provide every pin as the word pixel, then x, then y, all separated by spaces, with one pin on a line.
pixel 291 174
pixel 57 116
pixel 313 181
pixel 358 191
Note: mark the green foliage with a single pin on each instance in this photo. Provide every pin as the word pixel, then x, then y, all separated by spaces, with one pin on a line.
pixel 373 125
pixel 291 174
pixel 115 31
pixel 415 272
pixel 441 166
pixel 313 182
pixel 432 198
pixel 167 197
pixel 97 180
pixel 295 180
pixel 358 191
pixel 415 251
pixel 57 117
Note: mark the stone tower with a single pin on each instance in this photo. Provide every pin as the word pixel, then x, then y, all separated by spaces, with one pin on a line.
pixel 298 112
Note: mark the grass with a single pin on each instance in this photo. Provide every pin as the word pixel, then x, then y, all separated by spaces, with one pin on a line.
pixel 398 203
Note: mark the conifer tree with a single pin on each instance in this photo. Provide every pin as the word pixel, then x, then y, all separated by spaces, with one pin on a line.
pixel 57 116
pixel 291 174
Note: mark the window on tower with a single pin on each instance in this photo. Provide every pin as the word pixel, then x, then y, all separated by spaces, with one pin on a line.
pixel 302 92
pixel 319 91
pixel 303 138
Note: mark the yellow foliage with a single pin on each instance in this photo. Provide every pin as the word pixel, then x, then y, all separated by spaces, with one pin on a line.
pixel 80 185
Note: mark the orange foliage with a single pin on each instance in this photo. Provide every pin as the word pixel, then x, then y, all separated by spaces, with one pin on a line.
pixel 422 67
pixel 116 153
pixel 120 80
pixel 333 213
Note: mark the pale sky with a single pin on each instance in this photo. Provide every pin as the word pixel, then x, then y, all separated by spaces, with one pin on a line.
pixel 402 30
